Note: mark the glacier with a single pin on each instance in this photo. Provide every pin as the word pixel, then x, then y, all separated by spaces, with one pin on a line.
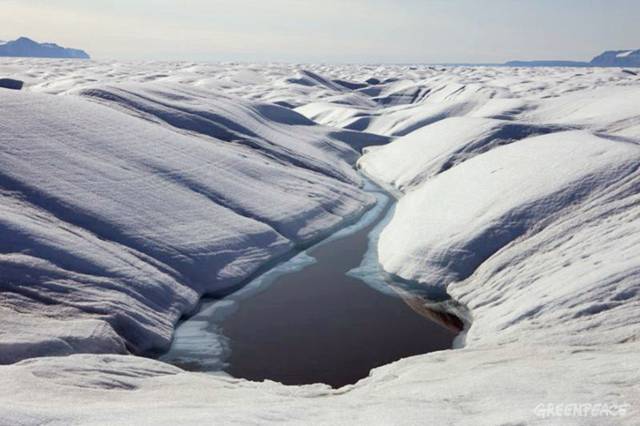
pixel 129 190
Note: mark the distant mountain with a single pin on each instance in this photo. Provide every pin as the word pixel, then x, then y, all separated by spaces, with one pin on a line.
pixel 610 58
pixel 25 47
pixel 546 64
pixel 617 58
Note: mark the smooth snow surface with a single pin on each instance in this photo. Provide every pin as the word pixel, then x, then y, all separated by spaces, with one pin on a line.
pixel 143 185
pixel 422 154
pixel 446 227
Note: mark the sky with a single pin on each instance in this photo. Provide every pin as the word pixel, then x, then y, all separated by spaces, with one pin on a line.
pixel 330 31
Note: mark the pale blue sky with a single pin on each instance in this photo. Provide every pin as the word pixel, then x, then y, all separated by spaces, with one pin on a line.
pixel 427 31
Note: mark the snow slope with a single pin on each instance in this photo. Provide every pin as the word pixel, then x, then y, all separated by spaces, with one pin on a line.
pixel 143 185
pixel 126 223
pixel 466 387
pixel 609 110
pixel 423 153
pixel 446 227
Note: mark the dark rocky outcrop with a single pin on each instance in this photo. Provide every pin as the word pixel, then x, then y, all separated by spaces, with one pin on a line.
pixel 9 83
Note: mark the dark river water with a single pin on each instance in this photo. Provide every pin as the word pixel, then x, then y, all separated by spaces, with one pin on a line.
pixel 312 323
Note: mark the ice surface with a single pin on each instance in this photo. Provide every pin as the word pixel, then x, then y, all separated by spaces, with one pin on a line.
pixel 609 110
pixel 125 221
pixel 422 154
pixel 445 228
pixel 143 185
pixel 200 340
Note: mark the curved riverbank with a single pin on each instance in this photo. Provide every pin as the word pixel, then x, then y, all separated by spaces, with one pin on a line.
pixel 313 318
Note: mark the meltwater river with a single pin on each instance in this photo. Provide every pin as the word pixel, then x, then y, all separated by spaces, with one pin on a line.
pixel 325 315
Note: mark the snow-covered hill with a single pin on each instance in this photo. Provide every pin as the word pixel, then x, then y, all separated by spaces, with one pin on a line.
pixel 129 189
pixel 125 221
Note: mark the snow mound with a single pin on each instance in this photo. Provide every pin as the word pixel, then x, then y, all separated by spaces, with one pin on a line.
pixel 405 106
pixel 311 79
pixel 233 120
pixel 412 159
pixel 445 228
pixel 611 110
pixel 332 114
pixel 577 278
pixel 114 219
